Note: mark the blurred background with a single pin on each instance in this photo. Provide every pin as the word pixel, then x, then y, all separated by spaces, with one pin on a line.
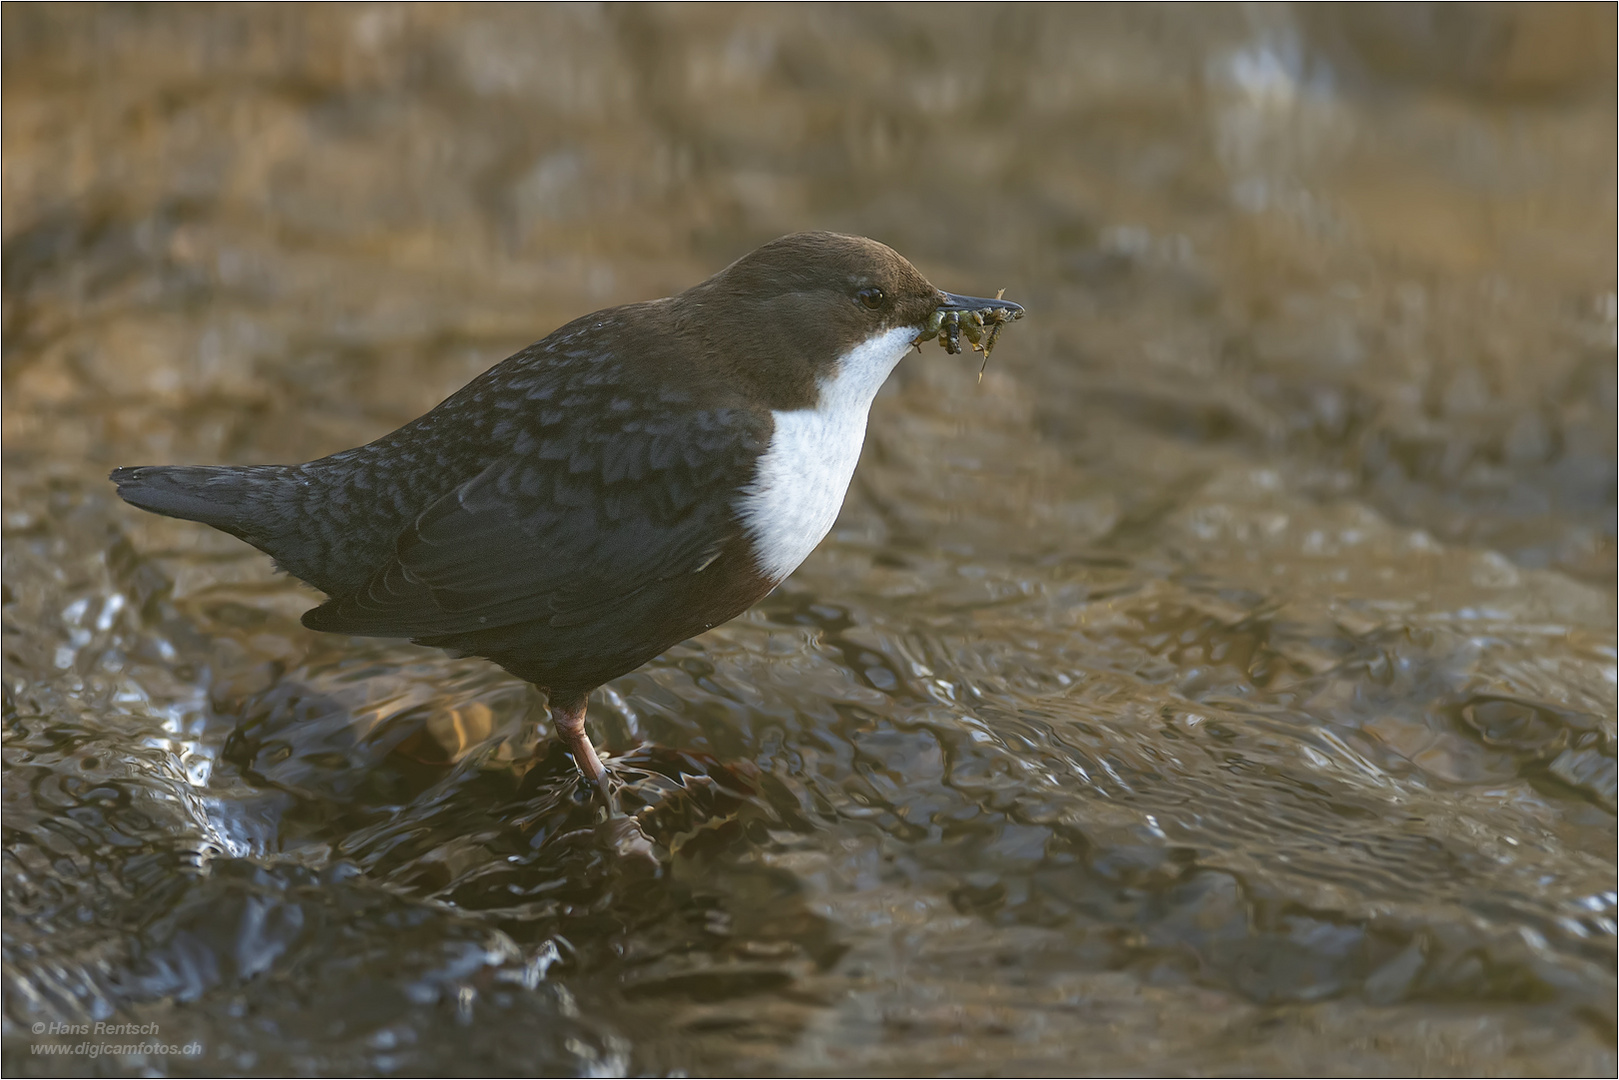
pixel 1224 684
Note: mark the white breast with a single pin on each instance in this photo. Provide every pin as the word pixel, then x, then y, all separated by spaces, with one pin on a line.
pixel 802 477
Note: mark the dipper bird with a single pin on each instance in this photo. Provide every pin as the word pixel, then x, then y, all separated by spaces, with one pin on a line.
pixel 629 481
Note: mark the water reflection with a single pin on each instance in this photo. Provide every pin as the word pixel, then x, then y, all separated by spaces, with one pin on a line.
pixel 1224 684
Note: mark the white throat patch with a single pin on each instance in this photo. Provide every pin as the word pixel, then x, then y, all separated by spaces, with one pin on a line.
pixel 802 477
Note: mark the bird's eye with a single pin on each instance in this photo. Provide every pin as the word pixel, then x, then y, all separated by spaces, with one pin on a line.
pixel 870 298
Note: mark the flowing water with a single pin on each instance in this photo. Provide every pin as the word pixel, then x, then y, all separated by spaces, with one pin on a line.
pixel 1225 684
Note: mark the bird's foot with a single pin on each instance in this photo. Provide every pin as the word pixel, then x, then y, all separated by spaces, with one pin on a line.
pixel 569 718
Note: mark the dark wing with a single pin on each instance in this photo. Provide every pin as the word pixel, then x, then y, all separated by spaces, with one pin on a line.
pixel 570 523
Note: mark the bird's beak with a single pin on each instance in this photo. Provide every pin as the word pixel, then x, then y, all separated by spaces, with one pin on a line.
pixel 949 302
pixel 977 318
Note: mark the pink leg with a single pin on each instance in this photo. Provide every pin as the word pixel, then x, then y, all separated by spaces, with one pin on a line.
pixel 569 718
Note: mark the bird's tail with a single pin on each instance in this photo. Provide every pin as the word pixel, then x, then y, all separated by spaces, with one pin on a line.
pixel 283 510
pixel 219 495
